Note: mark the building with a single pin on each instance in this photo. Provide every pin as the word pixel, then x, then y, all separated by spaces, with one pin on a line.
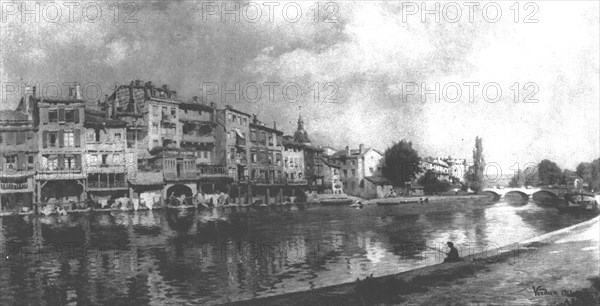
pixel 105 162
pixel 458 168
pixel 436 165
pixel 355 166
pixel 18 154
pixel 60 178
pixel 293 161
pixel 266 158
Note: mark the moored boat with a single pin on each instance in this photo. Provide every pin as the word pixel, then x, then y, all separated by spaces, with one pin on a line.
pixel 577 202
pixel 340 201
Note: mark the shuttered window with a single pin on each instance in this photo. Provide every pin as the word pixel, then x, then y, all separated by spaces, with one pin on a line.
pixel 77 115
pixel 61 115
pixel 45 139
pixel 77 138
pixel 61 139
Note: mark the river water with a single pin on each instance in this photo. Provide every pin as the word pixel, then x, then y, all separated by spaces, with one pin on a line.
pixel 217 256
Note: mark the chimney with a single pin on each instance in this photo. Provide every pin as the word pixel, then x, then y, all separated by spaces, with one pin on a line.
pixel 149 84
pixel 360 148
pixel 165 87
pixel 195 99
pixel 254 119
pixel 77 92
pixel 274 125
pixel 347 150
pixel 138 82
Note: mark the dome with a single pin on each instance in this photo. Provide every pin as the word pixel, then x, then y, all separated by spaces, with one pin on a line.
pixel 301 136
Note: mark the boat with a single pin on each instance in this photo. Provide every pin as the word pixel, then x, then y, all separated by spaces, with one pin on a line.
pixel 388 203
pixel 338 201
pixel 577 202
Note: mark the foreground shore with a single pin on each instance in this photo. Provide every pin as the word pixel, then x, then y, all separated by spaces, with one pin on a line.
pixel 558 268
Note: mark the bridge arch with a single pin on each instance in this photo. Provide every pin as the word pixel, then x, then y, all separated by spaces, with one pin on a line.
pixel 545 198
pixel 516 198
pixel 496 196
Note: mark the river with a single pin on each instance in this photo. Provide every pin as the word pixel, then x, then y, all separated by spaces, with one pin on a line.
pixel 217 256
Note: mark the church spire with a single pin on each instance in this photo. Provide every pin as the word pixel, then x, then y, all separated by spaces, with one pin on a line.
pixel 300 120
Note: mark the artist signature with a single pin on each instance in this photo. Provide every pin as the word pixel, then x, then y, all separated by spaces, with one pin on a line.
pixel 541 291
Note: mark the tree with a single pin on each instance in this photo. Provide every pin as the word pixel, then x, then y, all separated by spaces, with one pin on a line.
pixel 584 171
pixel 595 184
pixel 400 163
pixel 548 172
pixel 514 182
pixel 431 184
pixel 474 176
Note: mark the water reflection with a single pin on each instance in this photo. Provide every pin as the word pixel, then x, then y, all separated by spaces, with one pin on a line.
pixel 217 256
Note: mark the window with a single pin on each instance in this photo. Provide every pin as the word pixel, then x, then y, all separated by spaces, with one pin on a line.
pixel 173 111
pixel 353 172
pixel 70 162
pixel 230 117
pixel 30 161
pixel 69 139
pixel 245 121
pixel 70 115
pixel 53 115
pixel 205 154
pixel 51 162
pixel 20 137
pixel 154 110
pixel 345 173
pixel 371 169
pixel 1 137
pixel 53 139
pixel 29 136
pixel 97 135
pixel 10 159
pixel 164 110
pixel 353 163
pixel 117 136
pixel 104 159
pixel 254 159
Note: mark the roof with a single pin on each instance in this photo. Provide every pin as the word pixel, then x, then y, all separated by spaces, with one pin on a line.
pixel 195 105
pixel 378 180
pixel 228 107
pixel 264 127
pixel 326 162
pixel 147 178
pixel 11 115
pixel 353 153
pixel 289 141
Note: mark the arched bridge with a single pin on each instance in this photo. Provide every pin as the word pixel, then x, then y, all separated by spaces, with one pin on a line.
pixel 541 196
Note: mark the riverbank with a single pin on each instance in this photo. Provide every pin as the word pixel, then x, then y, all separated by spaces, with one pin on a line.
pixel 561 267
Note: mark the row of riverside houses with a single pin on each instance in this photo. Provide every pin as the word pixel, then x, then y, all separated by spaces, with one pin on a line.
pixel 144 145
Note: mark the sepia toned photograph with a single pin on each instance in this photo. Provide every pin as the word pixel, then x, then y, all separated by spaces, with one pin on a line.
pixel 195 152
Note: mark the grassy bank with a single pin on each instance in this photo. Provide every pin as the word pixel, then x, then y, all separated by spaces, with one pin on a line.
pixel 559 268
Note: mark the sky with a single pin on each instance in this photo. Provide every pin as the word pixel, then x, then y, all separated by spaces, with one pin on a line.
pixel 360 68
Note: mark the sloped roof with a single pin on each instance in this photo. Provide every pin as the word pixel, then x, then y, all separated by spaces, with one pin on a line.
pixel 11 115
pixel 353 153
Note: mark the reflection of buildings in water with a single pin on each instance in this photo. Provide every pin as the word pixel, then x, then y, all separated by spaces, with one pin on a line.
pixel 375 250
pixel 295 250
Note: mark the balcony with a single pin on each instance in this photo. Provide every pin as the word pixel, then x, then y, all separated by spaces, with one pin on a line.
pixel 105 168
pixel 14 186
pixel 205 118
pixel 105 146
pixel 207 138
pixel 107 185
pixel 168 119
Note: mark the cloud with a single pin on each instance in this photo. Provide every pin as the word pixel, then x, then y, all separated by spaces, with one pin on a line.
pixel 368 53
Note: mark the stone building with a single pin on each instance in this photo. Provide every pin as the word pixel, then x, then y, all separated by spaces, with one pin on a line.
pixel 18 154
pixel 355 166
pixel 60 177
pixel 293 161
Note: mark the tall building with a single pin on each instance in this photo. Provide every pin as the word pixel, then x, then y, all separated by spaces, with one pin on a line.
pixel 105 159
pixel 18 154
pixel 60 177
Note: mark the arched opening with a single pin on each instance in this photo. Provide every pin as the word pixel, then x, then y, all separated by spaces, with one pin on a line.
pixel 179 195
pixel 516 198
pixel 545 198
pixel 492 194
